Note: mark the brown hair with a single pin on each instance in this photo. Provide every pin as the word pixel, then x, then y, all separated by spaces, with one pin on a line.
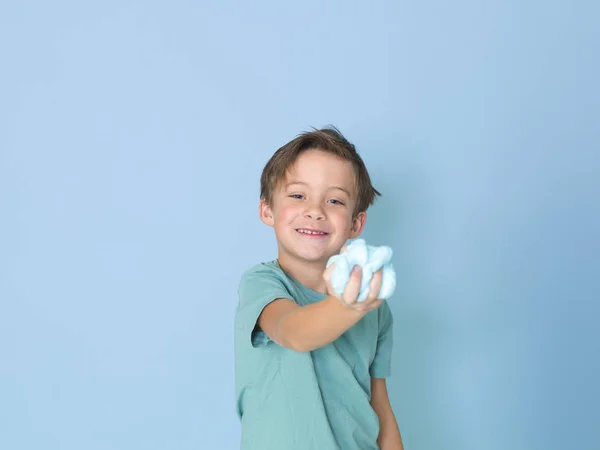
pixel 329 140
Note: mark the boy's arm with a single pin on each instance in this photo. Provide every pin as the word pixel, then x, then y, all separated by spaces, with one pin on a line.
pixel 306 328
pixel 389 433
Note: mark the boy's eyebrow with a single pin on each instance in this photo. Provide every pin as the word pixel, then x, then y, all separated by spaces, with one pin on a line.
pixel 306 184
pixel 295 182
pixel 345 191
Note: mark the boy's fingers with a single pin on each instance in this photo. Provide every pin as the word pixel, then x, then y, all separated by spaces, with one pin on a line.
pixel 377 304
pixel 375 284
pixel 368 305
pixel 372 301
pixel 353 287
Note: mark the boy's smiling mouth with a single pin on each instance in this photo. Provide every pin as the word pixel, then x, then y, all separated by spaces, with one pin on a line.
pixel 312 233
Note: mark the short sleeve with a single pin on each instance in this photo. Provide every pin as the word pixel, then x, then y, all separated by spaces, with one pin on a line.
pixel 258 287
pixel 381 365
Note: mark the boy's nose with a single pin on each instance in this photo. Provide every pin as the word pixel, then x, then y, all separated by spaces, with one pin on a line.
pixel 314 212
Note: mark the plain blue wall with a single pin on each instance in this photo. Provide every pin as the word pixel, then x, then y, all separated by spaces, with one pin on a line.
pixel 132 136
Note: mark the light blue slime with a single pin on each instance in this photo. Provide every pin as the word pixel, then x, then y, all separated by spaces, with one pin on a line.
pixel 371 259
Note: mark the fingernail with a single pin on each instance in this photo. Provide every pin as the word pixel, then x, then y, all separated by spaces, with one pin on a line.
pixel 356 269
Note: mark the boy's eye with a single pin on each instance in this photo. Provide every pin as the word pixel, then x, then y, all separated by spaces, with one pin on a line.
pixel 337 202
pixel 298 196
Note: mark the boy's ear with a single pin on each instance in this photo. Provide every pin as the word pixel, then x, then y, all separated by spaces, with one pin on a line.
pixel 358 224
pixel 266 213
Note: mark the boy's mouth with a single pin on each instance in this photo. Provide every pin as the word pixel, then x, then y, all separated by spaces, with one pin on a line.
pixel 311 233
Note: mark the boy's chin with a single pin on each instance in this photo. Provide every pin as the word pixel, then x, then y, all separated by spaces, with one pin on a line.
pixel 310 257
pixel 322 257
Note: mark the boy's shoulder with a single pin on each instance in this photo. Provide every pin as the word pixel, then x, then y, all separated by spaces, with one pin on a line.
pixel 263 274
pixel 262 268
pixel 264 282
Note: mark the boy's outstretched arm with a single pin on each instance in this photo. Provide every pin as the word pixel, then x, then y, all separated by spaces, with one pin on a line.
pixel 306 328
pixel 389 433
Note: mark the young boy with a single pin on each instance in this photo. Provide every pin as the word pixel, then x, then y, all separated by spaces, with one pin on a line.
pixel 311 364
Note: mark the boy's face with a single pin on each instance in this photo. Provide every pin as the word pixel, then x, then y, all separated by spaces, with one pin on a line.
pixel 312 208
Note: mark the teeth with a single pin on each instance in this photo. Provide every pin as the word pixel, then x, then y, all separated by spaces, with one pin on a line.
pixel 310 232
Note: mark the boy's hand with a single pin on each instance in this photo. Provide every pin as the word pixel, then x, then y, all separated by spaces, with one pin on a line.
pixel 352 290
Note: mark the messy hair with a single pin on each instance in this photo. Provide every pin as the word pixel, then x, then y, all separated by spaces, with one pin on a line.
pixel 328 140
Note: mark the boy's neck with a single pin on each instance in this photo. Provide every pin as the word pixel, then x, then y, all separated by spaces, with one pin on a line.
pixel 310 274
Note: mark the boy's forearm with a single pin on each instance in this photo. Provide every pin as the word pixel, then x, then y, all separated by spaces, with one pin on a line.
pixel 389 433
pixel 318 324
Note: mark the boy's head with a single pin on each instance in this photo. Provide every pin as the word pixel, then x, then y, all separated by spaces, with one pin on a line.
pixel 315 191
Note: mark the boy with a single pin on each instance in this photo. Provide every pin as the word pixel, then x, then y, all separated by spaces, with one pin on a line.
pixel 311 364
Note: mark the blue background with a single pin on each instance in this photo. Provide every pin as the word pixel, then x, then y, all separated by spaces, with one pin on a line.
pixel 132 137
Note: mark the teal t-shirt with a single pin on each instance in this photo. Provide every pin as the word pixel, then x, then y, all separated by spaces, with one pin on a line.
pixel 319 400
